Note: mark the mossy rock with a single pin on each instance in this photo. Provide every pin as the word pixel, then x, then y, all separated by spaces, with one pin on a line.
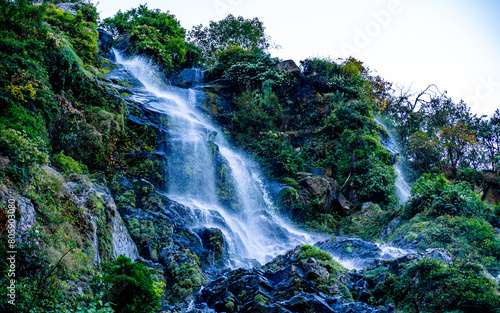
pixel 213 240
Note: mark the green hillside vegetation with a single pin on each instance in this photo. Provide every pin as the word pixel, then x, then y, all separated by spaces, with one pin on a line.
pixel 61 122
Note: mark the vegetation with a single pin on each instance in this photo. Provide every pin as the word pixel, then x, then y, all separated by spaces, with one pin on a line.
pixel 154 34
pixel 248 34
pixel 62 126
pixel 129 286
pixel 432 286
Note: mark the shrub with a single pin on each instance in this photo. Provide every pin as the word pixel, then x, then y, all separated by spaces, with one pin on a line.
pixel 433 286
pixel 67 164
pixel 21 151
pixel 434 196
pixel 155 34
pixel 129 286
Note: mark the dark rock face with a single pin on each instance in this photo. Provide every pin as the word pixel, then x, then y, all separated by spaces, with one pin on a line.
pixel 105 40
pixel 215 245
pixel 390 228
pixel 189 77
pixel 287 284
pixel 161 229
pixel 491 194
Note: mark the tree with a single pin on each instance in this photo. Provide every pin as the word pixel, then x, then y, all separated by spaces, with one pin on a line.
pixel 229 32
pixel 455 140
pixel 155 34
pixel 488 134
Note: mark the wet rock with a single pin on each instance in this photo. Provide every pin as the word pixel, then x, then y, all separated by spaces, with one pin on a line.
pixel 359 252
pixel 290 283
pixel 397 265
pixel 389 229
pixel 214 242
pixel 183 273
pixel 105 40
pixel 189 77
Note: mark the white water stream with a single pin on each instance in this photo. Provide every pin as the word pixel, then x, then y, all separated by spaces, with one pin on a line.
pixel 251 227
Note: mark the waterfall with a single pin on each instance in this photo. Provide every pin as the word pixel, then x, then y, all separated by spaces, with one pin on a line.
pixel 402 187
pixel 199 158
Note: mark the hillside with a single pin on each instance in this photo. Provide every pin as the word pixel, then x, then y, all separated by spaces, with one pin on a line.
pixel 146 168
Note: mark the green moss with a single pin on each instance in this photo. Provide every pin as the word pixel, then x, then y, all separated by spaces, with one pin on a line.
pixel 186 278
pixel 308 251
pixel 290 182
pixel 105 241
pixel 261 298
pixel 128 198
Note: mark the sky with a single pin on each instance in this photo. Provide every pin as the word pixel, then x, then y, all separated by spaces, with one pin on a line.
pixel 454 44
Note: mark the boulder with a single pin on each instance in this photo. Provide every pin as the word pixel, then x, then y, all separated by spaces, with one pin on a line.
pixel 216 245
pixel 324 189
pixel 491 195
pixel 288 66
pixel 71 8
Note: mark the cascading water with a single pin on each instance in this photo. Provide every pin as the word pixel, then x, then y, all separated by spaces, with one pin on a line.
pixel 198 158
pixel 402 186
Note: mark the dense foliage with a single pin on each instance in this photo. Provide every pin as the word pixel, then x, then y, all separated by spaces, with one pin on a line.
pixel 432 286
pixel 155 34
pixel 434 196
pixel 57 114
pixel 231 31
pixel 62 126
pixel 129 286
pixel 439 135
pixel 295 122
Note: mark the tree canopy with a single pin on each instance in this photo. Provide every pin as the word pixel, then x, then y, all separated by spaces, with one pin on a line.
pixel 231 31
pixel 155 34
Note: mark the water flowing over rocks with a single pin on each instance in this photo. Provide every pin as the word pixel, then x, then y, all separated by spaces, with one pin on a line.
pixel 287 284
pixel 208 227
pixel 219 187
pixel 388 141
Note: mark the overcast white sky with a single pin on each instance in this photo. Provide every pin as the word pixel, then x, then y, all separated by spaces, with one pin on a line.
pixel 454 44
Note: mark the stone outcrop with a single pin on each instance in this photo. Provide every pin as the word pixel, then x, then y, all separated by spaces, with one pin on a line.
pixel 491 195
pixel 290 283
pixel 71 8
pixel 326 190
pixel 89 196
pixel 288 66
pixel 24 209
pixel 105 41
